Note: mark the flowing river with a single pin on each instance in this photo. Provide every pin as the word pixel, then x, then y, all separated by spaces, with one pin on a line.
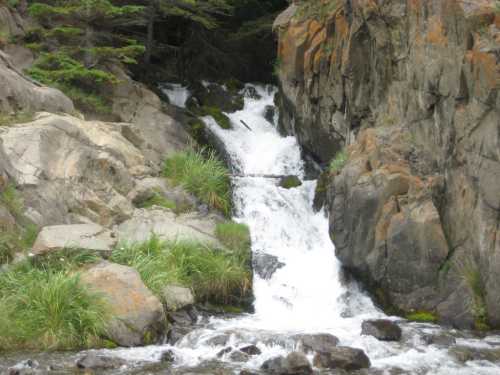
pixel 307 294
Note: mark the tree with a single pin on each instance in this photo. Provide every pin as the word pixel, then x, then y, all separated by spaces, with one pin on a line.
pixel 203 12
pixel 77 39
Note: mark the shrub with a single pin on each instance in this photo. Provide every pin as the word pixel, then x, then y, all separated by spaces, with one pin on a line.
pixel 213 275
pixel 338 162
pixel 41 309
pixel 205 176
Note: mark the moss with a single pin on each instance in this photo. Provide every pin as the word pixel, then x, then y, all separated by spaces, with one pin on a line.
pixel 158 200
pixel 234 85
pixel 422 316
pixel 290 182
pixel 220 118
pixel 338 162
pixel 16 118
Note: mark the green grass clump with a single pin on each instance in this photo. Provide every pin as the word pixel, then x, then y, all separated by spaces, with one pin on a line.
pixel 10 198
pixel 48 310
pixel 220 118
pixel 422 316
pixel 338 161
pixel 216 276
pixel 234 235
pixel 158 200
pixel 202 174
pixel 16 118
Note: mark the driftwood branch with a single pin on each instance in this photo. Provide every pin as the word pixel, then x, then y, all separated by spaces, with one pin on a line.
pixel 246 126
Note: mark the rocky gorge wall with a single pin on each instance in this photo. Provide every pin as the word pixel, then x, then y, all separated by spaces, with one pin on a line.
pixel 410 89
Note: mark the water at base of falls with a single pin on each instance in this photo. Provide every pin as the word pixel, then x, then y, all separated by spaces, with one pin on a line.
pixel 306 294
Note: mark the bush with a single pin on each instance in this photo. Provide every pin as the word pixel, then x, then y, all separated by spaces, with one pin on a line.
pixel 205 176
pixel 49 310
pixel 338 162
pixel 214 275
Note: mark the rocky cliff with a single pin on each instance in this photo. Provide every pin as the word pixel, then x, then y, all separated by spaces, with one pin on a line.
pixel 410 88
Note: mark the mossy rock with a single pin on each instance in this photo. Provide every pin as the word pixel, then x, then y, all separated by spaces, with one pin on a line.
pixel 220 118
pixel 289 182
pixel 422 316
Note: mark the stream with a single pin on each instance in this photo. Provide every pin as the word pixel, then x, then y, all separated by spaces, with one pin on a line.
pixel 307 294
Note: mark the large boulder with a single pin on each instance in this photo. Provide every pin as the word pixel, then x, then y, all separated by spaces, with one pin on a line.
pixel 177 297
pixel 382 329
pixel 318 342
pixel 342 357
pixel 137 315
pixel 76 236
pixel 295 363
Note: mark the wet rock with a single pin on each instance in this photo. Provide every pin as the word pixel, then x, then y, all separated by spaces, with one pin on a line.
pixel 250 350
pixel 289 182
pixel 265 265
pixel 167 356
pixel 382 329
pixel 224 351
pixel 251 92
pixel 440 339
pixel 138 316
pixel 26 367
pixel 215 95
pixel 468 353
pixel 76 236
pixel 94 361
pixel 182 322
pixel 238 356
pixel 269 113
pixel 321 342
pixel 177 297
pixel 294 364
pixel 342 357
pixel 219 340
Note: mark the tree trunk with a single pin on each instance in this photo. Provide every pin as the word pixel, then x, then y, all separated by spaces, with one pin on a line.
pixel 150 37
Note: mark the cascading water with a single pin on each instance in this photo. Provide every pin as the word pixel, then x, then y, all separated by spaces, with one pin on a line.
pixel 306 294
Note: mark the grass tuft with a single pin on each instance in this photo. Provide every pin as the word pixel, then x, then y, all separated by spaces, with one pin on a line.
pixel 49 310
pixel 214 275
pixel 202 174
pixel 235 236
pixel 10 198
pixel 338 161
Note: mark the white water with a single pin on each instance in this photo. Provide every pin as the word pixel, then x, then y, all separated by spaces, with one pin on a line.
pixel 177 94
pixel 306 295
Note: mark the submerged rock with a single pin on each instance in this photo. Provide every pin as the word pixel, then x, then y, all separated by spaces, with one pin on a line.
pixel 265 265
pixel 320 342
pixel 239 356
pixel 99 362
pixel 382 329
pixel 440 339
pixel 250 350
pixel 26 367
pixel 342 357
pixel 138 316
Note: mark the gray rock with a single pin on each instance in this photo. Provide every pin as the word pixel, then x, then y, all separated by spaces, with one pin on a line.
pixel 320 342
pixel 469 353
pixel 269 113
pixel 382 329
pixel 94 361
pixel 167 356
pixel 26 367
pixel 239 356
pixel 265 265
pixel 138 316
pixel 219 340
pixel 294 364
pixel 342 357
pixel 250 350
pixel 177 297
pixel 75 236
pixel 439 339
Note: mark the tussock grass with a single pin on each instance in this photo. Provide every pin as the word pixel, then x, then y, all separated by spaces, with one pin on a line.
pixel 49 310
pixel 10 198
pixel 338 161
pixel 234 235
pixel 16 240
pixel 214 275
pixel 202 174
pixel 158 200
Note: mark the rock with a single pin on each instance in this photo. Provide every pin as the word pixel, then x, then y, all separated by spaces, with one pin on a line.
pixel 382 329
pixel 168 226
pixel 177 297
pixel 19 92
pixel 224 351
pixel 94 361
pixel 294 364
pixel 138 316
pixel 238 356
pixel 265 265
pixel 250 350
pixel 289 182
pixel 213 95
pixel 469 353
pixel 181 323
pixel 320 342
pixel 219 340
pixel 418 195
pixel 342 357
pixel 167 356
pixel 26 367
pixel 269 113
pixel 76 236
pixel 440 339
pixel 251 92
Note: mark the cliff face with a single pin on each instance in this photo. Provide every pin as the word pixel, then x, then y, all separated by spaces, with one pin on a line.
pixel 411 88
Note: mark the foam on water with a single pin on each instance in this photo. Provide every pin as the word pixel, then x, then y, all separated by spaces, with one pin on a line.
pixel 306 295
